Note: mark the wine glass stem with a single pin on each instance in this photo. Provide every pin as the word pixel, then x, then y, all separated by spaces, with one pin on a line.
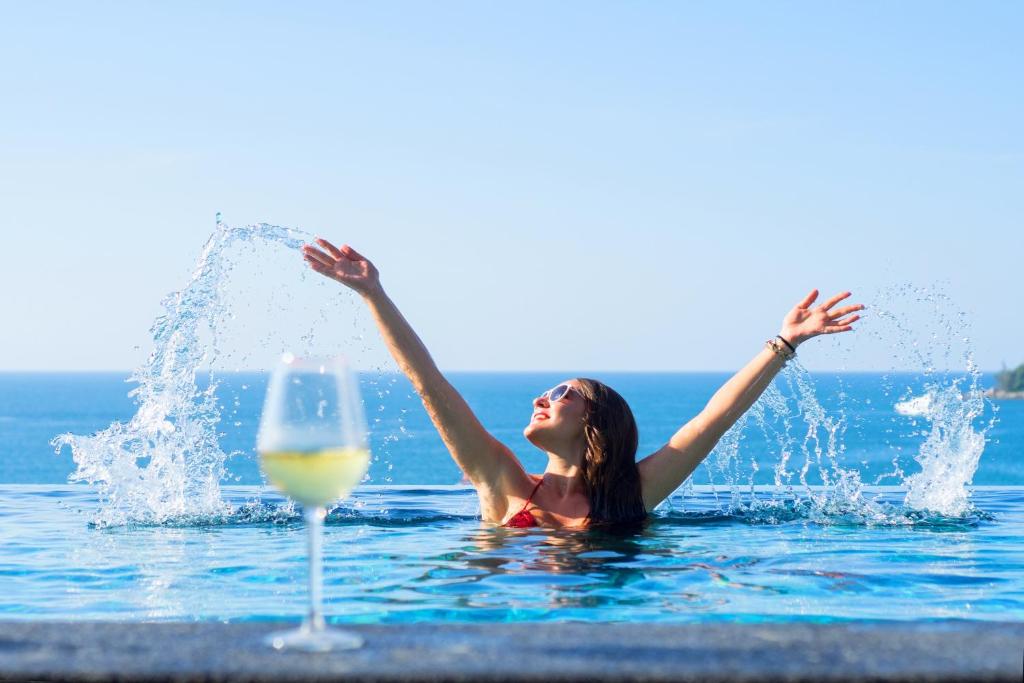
pixel 314 521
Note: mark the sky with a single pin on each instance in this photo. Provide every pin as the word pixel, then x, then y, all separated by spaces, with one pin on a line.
pixel 543 186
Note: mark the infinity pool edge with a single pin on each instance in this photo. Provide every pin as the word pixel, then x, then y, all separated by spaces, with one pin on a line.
pixel 208 651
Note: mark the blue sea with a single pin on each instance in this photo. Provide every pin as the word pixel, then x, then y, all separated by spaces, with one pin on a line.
pixel 36 407
pixel 802 512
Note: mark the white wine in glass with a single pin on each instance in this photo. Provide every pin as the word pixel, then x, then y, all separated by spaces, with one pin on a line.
pixel 312 445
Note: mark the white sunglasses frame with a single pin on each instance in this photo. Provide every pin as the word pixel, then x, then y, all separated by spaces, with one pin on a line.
pixel 568 388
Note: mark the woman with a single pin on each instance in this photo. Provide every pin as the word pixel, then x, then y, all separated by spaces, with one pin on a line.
pixel 585 427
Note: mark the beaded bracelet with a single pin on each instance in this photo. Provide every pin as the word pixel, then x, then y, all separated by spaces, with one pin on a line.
pixel 779 351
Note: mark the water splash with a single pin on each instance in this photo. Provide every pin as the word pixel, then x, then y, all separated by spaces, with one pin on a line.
pixel 925 334
pixel 810 480
pixel 950 453
pixel 165 465
pixel 937 344
pixel 919 406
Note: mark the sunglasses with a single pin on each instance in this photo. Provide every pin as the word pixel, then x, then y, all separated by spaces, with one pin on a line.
pixel 558 393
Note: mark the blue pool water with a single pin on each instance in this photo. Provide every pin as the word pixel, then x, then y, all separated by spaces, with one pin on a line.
pixel 420 554
pixel 410 546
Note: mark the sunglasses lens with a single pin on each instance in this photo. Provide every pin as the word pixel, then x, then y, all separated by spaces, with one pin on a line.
pixel 559 391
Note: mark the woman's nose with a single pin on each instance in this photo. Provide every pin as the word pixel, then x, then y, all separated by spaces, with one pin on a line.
pixel 540 401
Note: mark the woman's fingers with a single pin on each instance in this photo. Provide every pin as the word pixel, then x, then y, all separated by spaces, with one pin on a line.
pixel 808 300
pixel 331 249
pixel 318 267
pixel 834 300
pixel 833 330
pixel 846 321
pixel 327 268
pixel 311 253
pixel 352 253
pixel 845 310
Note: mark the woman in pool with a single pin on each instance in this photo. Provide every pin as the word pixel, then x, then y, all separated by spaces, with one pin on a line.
pixel 585 427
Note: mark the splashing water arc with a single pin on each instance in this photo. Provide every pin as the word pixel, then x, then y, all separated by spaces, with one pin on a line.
pixel 166 464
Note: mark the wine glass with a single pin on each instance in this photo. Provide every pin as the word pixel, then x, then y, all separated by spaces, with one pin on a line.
pixel 312 446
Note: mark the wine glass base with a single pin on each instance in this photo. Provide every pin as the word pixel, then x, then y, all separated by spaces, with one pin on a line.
pixel 304 639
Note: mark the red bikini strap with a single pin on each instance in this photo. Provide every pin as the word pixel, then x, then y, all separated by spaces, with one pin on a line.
pixel 531 494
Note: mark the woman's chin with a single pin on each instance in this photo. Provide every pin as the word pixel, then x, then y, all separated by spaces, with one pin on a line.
pixel 540 437
pixel 531 432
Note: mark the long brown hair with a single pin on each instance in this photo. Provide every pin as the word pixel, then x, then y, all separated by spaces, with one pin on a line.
pixel 609 464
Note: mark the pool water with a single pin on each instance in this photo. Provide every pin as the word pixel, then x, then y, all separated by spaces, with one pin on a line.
pixel 411 554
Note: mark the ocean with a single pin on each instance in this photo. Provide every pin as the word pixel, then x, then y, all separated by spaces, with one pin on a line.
pixel 874 437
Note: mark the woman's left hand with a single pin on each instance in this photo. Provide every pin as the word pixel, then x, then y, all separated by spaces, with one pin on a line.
pixel 804 322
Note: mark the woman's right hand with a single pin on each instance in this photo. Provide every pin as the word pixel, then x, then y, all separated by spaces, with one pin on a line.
pixel 346 265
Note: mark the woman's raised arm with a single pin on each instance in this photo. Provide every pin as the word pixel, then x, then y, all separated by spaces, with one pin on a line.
pixel 488 463
pixel 662 472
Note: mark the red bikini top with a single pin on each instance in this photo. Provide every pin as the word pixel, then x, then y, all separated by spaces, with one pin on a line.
pixel 523 518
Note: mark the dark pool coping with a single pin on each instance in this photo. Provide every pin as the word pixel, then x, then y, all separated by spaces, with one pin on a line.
pixel 204 651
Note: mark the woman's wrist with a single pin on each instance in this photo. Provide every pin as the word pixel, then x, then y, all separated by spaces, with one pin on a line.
pixel 786 343
pixel 780 349
pixel 374 293
pixel 792 340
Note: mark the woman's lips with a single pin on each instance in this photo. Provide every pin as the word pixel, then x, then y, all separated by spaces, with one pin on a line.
pixel 539 416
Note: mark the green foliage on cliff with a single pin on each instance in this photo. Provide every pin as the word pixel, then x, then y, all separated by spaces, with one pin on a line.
pixel 1011 380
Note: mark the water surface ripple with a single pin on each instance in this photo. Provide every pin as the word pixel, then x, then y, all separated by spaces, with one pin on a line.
pixel 409 554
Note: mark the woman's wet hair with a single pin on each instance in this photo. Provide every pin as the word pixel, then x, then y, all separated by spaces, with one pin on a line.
pixel 609 467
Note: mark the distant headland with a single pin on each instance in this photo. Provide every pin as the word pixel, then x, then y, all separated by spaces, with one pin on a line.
pixel 1009 383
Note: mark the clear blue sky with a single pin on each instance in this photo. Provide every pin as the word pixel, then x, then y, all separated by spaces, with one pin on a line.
pixel 543 185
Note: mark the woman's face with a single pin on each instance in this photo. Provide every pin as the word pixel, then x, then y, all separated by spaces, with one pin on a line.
pixel 559 421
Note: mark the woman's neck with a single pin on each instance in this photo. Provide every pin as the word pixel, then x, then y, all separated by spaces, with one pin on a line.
pixel 563 475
